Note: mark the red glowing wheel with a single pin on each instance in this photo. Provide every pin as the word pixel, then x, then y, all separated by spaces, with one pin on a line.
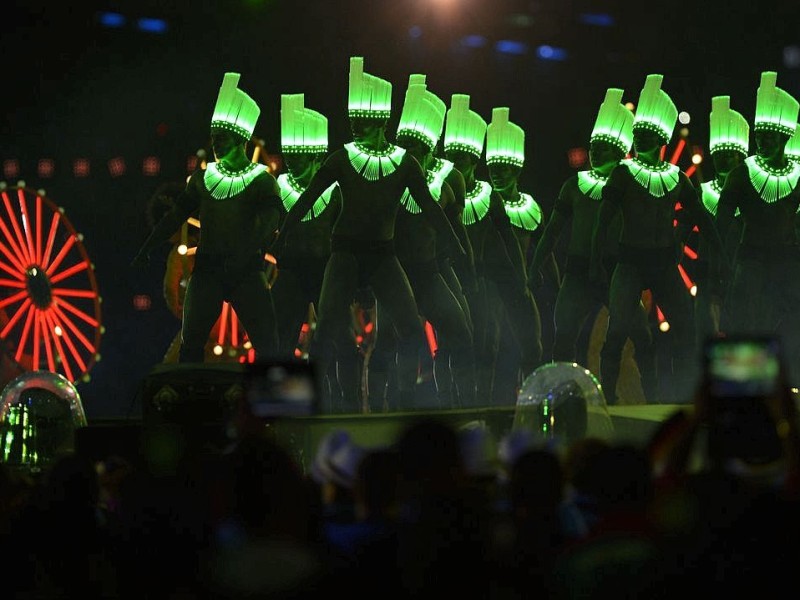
pixel 48 290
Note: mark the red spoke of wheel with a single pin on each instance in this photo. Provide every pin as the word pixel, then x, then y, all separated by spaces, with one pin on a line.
pixel 23 339
pixel 13 320
pixel 26 221
pixel 12 283
pixel 20 248
pixel 13 254
pixel 14 298
pixel 73 293
pixel 48 345
pixel 75 311
pixel 51 236
pixel 16 273
pixel 234 329
pixel 223 323
pixel 37 318
pixel 70 346
pixel 38 229
pixel 61 254
pixel 72 327
pixel 685 276
pixel 76 268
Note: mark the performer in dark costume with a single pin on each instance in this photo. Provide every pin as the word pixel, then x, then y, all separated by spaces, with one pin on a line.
pixel 646 190
pixel 505 157
pixel 304 145
pixel 373 175
pixel 498 258
pixel 238 203
pixel 765 291
pixel 578 204
pixel 729 141
pixel 420 127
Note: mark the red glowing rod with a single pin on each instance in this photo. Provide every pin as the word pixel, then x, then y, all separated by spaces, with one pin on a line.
pixel 74 293
pixel 20 242
pixel 50 238
pixel 60 256
pixel 690 253
pixel 38 229
pixel 26 222
pixel 223 323
pixel 75 331
pixel 16 257
pixel 61 353
pixel 23 339
pixel 11 271
pixel 75 311
pixel 234 328
pixel 677 153
pixel 12 283
pixel 685 276
pixel 51 363
pixel 17 315
pixel 68 341
pixel 81 266
pixel 431 336
pixel 14 298
pixel 37 325
pixel 690 171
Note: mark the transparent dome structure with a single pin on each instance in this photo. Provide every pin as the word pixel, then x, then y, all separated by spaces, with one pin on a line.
pixel 563 400
pixel 39 413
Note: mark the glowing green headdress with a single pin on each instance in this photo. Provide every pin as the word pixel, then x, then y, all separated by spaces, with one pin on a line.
pixel 792 149
pixel 368 96
pixel 505 141
pixel 464 129
pixel 614 123
pixel 729 129
pixel 776 109
pixel 302 130
pixel 656 110
pixel 235 110
pixel 423 113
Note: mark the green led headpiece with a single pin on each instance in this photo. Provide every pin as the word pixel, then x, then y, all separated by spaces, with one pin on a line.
pixel 776 109
pixel 505 141
pixel 423 113
pixel 368 96
pixel 656 110
pixel 464 128
pixel 614 123
pixel 792 148
pixel 303 131
pixel 235 110
pixel 729 129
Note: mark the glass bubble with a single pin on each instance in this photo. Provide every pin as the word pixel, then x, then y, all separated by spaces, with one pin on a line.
pixel 564 401
pixel 39 414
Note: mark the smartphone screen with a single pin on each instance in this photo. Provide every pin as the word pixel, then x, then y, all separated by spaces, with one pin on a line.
pixel 739 367
pixel 281 389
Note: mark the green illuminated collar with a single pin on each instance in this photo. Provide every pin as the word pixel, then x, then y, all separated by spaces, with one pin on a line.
pixel 291 190
pixel 222 183
pixel 772 184
pixel 435 178
pixel 658 180
pixel 710 195
pixel 524 212
pixel 591 184
pixel 374 165
pixel 476 203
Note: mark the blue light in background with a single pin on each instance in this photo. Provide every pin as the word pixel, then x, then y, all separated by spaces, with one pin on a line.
pixel 511 47
pixel 473 41
pixel 151 25
pixel 415 31
pixel 551 53
pixel 596 19
pixel 111 19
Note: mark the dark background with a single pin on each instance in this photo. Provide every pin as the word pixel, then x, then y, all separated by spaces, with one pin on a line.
pixel 75 88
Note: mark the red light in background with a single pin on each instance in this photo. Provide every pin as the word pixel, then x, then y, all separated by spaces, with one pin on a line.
pixel 577 157
pixel 191 164
pixel 142 302
pixel 116 166
pixel 10 168
pixel 162 129
pixel 80 167
pixel 151 166
pixel 46 167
